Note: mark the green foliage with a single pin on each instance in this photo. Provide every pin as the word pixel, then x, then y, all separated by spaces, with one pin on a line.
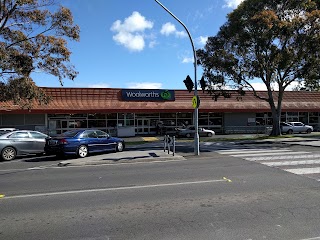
pixel 33 37
pixel 276 41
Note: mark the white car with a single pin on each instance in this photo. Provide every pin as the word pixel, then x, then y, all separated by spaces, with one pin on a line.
pixel 6 130
pixel 190 131
pixel 296 127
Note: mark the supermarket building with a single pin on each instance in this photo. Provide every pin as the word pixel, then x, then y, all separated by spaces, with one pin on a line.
pixel 130 112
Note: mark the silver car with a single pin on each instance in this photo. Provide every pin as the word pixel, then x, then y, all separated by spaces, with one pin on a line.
pixel 190 131
pixel 295 127
pixel 22 142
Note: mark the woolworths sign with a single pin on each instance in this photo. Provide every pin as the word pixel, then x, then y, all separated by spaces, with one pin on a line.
pixel 147 95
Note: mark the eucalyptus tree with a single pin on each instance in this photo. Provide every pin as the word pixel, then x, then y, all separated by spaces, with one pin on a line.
pixel 275 41
pixel 33 37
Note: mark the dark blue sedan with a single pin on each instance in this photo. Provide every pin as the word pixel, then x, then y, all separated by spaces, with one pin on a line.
pixel 82 142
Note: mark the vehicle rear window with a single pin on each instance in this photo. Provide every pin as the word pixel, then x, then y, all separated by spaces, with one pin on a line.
pixel 69 134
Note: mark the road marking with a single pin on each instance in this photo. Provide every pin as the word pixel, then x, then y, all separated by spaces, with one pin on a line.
pixel 114 189
pixel 304 170
pixel 248 151
pixel 283 157
pixel 316 238
pixel 267 154
pixel 291 163
pixel 150 139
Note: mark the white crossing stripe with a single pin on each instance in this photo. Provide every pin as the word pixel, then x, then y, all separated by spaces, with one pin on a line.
pixel 266 154
pixel 249 151
pixel 283 157
pixel 292 163
pixel 304 170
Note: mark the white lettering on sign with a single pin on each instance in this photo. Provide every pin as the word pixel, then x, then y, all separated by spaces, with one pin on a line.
pixel 140 94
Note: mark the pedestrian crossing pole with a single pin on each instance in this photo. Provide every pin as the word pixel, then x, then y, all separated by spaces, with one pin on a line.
pixel 196 110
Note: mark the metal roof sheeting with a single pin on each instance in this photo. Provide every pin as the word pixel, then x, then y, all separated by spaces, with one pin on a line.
pixel 107 100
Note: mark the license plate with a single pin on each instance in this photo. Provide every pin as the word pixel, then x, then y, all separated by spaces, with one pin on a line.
pixel 53 142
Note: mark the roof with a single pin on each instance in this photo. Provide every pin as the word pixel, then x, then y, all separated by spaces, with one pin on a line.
pixel 108 100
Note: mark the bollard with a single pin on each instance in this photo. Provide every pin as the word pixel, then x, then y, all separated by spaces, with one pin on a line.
pixel 174 145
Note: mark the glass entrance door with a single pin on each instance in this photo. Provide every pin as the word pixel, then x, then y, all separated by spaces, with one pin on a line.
pixel 143 126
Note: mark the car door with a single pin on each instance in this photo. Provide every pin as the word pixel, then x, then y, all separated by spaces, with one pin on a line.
pixel 106 142
pixel 92 141
pixel 22 141
pixel 299 127
pixel 39 140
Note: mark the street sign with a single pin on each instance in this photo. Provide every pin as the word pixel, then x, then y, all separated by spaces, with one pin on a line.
pixel 195 101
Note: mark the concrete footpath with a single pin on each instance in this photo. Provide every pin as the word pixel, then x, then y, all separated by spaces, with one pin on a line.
pixel 127 156
pixel 142 149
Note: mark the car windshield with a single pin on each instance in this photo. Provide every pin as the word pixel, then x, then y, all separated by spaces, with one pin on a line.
pixel 69 133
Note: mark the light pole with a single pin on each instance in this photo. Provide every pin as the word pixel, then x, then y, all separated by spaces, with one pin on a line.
pixel 196 110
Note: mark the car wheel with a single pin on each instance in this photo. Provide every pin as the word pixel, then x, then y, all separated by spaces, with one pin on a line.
pixel 119 147
pixel 83 151
pixel 8 153
pixel 309 131
pixel 188 135
pixel 209 134
pixel 290 131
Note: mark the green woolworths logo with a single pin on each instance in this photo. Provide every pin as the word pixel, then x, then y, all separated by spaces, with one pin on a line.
pixel 165 95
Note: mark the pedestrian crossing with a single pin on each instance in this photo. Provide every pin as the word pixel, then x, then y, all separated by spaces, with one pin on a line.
pixel 298 162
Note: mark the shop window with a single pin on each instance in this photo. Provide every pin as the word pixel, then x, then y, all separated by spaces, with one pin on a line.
pixel 184 115
pixel 167 115
pixel 168 122
pixel 111 116
pixel 215 121
pixel 97 123
pixel 97 116
pixel 111 123
pixel 260 121
pixel 212 115
pixel 203 115
pixel 147 115
pixel 184 122
pixel 203 121
pixel 130 116
pixel 129 122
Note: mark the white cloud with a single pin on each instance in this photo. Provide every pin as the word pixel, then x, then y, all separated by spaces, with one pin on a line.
pixel 259 86
pixel 145 85
pixel 232 3
pixel 202 40
pixel 152 44
pixel 187 60
pixel 169 28
pixel 130 33
pixel 99 85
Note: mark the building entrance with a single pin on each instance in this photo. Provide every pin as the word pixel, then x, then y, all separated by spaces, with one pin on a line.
pixel 143 126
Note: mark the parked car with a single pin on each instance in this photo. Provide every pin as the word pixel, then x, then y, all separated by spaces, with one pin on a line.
pixel 82 142
pixel 21 142
pixel 190 131
pixel 295 127
pixel 6 130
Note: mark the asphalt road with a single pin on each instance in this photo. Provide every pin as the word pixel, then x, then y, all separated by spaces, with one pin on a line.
pixel 207 197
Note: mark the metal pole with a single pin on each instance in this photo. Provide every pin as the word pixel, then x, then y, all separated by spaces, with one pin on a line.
pixel 196 110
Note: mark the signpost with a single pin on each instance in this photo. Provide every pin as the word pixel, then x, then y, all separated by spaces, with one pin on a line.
pixel 196 111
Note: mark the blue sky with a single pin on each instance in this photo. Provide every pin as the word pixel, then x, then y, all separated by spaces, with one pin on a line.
pixel 136 43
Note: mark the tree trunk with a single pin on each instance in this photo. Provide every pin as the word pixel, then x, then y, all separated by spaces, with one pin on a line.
pixel 276 115
pixel 276 130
